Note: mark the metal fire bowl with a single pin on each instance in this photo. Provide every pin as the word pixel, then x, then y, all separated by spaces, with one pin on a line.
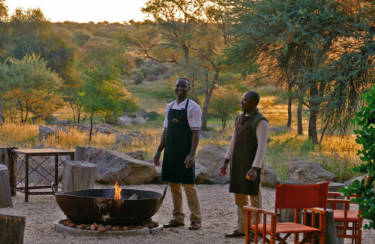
pixel 98 205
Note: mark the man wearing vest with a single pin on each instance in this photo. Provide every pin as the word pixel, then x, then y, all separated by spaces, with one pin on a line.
pixel 180 139
pixel 245 155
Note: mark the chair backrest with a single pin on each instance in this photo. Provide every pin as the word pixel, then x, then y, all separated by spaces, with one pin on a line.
pixel 301 196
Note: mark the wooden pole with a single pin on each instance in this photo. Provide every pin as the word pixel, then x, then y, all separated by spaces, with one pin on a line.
pixel 12 229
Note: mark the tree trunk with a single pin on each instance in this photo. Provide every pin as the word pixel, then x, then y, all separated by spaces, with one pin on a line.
pixel 314 110
pixel 5 199
pixel 2 117
pixel 91 126
pixel 12 229
pixel 299 117
pixel 186 53
pixel 209 91
pixel 289 123
pixel 78 175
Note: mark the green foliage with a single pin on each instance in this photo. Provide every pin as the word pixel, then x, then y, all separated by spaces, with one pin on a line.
pixel 365 188
pixel 225 103
pixel 27 85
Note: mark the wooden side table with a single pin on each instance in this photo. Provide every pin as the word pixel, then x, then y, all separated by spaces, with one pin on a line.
pixel 28 154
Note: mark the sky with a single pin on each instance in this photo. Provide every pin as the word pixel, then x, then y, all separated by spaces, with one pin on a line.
pixel 83 10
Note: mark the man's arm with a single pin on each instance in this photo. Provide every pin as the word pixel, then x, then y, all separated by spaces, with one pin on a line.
pixel 262 134
pixel 228 155
pixel 190 158
pixel 160 147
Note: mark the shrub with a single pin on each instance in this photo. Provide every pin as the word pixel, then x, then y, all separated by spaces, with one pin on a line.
pixel 365 188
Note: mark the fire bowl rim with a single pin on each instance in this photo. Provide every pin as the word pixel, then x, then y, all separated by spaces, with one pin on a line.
pixel 70 193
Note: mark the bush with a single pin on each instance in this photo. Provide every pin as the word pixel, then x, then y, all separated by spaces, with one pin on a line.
pixel 138 77
pixel 365 188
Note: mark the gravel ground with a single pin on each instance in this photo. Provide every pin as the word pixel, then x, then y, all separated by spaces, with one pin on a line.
pixel 217 206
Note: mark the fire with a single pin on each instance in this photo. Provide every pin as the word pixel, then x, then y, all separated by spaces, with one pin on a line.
pixel 117 191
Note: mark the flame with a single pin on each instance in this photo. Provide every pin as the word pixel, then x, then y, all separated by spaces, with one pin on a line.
pixel 117 191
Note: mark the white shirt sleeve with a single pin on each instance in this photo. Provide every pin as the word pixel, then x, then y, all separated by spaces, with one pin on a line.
pixel 262 134
pixel 229 153
pixel 194 116
pixel 166 110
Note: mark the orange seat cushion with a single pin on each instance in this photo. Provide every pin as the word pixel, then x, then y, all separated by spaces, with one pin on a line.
pixel 352 215
pixel 286 227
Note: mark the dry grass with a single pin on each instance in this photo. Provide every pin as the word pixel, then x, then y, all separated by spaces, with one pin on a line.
pixel 18 134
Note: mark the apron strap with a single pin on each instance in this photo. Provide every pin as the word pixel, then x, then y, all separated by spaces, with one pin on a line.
pixel 187 103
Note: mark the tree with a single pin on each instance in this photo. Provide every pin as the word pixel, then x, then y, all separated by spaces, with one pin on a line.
pixel 104 96
pixel 29 86
pixel 225 103
pixel 365 188
pixel 302 37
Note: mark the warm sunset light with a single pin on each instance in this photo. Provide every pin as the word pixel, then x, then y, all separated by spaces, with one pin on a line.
pixel 84 10
pixel 117 191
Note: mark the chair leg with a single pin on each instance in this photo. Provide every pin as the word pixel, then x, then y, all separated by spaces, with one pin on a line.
pixel 296 238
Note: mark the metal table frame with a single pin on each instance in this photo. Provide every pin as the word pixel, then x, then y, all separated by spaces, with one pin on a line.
pixel 28 154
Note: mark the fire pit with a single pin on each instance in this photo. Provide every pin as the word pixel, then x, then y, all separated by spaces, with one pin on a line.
pixel 133 207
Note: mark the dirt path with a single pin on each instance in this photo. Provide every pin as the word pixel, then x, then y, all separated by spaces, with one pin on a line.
pixel 218 212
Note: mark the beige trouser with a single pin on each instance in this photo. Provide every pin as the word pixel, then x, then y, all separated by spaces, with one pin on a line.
pixel 243 200
pixel 192 199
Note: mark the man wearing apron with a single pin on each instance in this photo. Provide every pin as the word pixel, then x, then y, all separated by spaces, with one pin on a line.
pixel 179 140
pixel 246 155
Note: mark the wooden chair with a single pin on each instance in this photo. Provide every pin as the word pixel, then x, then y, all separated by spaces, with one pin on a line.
pixel 348 221
pixel 311 197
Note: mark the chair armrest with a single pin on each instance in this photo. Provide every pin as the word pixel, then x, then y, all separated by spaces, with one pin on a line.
pixel 258 210
pixel 333 203
pixel 334 194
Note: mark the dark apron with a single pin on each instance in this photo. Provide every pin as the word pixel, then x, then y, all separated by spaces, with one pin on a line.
pixel 244 150
pixel 177 147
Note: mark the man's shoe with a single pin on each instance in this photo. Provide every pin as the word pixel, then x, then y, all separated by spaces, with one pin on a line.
pixel 173 223
pixel 235 234
pixel 195 226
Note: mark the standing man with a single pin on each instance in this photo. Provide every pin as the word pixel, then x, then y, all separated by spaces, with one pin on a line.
pixel 180 139
pixel 245 155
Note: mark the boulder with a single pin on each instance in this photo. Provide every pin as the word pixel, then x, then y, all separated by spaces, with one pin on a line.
pixel 139 120
pixel 137 155
pixel 270 177
pixel 208 163
pixel 114 166
pixel 125 120
pixel 44 132
pixel 309 172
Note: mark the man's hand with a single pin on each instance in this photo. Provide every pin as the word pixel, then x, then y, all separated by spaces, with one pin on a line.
pixel 157 159
pixel 252 174
pixel 223 169
pixel 189 160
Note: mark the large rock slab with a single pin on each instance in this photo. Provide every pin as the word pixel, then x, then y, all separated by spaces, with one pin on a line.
pixel 114 166
pixel 208 163
pixel 270 177
pixel 308 172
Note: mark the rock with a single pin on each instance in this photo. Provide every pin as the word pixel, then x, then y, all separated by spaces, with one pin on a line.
pixel 203 134
pixel 52 120
pixel 349 182
pixel 142 113
pixel 308 172
pixel 137 155
pixel 5 198
pixel 294 182
pixel 270 177
pixel 114 166
pixel 139 120
pixel 125 120
pixel 44 132
pixel 208 163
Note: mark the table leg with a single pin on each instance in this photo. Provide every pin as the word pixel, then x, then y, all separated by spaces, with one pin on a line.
pixel 12 171
pixel 56 172
pixel 72 156
pixel 26 178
